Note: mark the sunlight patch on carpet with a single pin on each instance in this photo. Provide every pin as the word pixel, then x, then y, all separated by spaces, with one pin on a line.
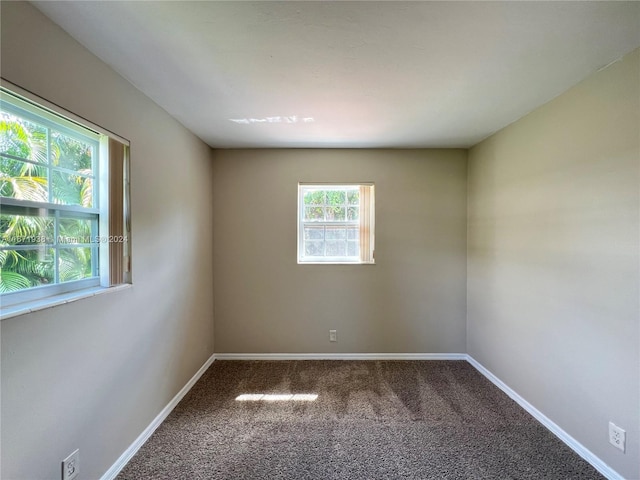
pixel 272 397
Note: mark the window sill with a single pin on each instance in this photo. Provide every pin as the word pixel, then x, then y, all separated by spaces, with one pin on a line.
pixel 336 263
pixel 54 301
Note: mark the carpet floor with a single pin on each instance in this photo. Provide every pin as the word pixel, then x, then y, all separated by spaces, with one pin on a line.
pixel 370 420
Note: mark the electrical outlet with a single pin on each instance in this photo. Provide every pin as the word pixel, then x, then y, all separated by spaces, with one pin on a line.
pixel 71 466
pixel 333 335
pixel 617 436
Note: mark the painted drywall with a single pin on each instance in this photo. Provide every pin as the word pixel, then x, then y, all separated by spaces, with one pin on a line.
pixel 553 277
pixel 411 300
pixel 94 373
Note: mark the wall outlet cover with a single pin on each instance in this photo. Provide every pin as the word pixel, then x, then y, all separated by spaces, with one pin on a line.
pixel 71 466
pixel 617 436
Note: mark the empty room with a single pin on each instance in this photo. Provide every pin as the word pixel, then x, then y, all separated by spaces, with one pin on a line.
pixel 319 240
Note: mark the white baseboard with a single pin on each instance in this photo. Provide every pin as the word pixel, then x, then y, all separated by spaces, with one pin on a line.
pixel 144 436
pixel 341 356
pixel 576 446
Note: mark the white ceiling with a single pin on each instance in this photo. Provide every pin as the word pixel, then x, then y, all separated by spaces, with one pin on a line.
pixel 370 74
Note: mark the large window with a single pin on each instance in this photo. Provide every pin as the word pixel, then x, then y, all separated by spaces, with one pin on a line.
pixel 63 199
pixel 336 223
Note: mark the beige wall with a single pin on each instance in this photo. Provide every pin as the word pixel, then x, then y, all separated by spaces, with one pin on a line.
pixel 553 259
pixel 93 374
pixel 411 300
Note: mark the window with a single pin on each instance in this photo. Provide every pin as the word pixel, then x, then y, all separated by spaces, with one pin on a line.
pixel 64 203
pixel 336 223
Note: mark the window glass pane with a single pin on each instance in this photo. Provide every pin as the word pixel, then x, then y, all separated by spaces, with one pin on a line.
pixel 335 197
pixel 334 233
pixel 314 233
pixel 314 248
pixel 314 214
pixel 22 138
pixel 47 162
pixel 331 223
pixel 26 230
pixel 336 214
pixel 20 269
pixel 22 180
pixel 73 230
pixel 336 248
pixel 68 152
pixel 314 197
pixel 70 189
pixel 75 263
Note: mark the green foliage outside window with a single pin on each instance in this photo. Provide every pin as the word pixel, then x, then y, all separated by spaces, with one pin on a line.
pixel 59 170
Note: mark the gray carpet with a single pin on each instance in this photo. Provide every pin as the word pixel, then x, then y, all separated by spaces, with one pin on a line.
pixel 371 420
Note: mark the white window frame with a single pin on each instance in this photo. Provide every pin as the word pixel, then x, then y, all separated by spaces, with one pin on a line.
pixel 366 220
pixel 16 101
